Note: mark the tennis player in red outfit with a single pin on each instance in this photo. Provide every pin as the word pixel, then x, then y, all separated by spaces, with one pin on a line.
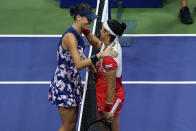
pixel 109 86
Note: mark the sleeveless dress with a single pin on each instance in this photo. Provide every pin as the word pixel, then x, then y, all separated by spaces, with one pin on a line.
pixel 66 88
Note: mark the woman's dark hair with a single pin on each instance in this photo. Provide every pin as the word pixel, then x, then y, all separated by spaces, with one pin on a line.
pixel 80 7
pixel 117 27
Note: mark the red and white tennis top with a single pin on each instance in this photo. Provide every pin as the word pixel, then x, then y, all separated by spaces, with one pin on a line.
pixel 107 64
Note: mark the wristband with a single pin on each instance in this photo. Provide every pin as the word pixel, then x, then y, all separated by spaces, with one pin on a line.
pixel 108 107
pixel 86 32
pixel 108 103
pixel 94 59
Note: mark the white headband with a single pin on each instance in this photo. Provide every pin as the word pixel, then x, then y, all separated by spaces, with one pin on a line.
pixel 105 25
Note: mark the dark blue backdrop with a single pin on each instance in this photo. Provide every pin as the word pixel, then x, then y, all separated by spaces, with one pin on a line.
pixel 114 3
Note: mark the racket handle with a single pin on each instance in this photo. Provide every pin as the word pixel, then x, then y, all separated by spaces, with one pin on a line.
pixel 118 101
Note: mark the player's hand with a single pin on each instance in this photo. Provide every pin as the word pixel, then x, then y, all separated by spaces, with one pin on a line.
pixel 108 116
pixel 109 52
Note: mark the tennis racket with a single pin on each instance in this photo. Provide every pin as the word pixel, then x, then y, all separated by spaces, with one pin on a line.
pixel 102 125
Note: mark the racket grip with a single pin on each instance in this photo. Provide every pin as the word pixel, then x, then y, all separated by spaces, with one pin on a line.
pixel 118 101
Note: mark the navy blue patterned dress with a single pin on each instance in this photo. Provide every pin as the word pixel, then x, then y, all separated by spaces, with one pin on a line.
pixel 66 88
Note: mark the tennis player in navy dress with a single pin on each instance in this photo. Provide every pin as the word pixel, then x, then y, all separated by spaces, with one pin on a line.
pixel 66 89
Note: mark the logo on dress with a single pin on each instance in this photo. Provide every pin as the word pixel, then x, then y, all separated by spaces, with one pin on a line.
pixel 108 66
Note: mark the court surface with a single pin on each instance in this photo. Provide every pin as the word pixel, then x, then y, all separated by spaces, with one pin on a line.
pixel 159 77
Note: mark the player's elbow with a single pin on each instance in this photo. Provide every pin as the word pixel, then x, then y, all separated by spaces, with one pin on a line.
pixel 78 66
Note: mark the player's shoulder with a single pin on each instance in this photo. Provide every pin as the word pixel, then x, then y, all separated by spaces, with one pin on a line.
pixel 69 40
pixel 108 59
pixel 70 37
pixel 109 63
